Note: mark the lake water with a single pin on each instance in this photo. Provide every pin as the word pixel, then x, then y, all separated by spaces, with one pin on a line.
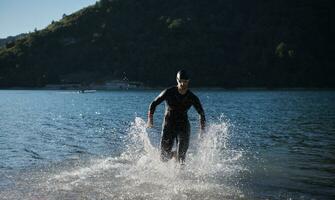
pixel 258 145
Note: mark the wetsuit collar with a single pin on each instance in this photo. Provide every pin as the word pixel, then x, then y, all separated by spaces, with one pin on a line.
pixel 181 93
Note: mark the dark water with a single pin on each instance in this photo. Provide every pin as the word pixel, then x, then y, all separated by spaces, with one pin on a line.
pixel 259 145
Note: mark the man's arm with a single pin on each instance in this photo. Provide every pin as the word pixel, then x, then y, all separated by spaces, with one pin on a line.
pixel 198 107
pixel 159 99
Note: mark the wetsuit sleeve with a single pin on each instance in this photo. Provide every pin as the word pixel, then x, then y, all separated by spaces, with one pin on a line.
pixel 198 107
pixel 159 99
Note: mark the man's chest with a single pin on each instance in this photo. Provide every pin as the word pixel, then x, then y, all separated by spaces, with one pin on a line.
pixel 177 100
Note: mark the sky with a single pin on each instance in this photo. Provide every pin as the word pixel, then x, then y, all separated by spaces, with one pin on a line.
pixel 22 16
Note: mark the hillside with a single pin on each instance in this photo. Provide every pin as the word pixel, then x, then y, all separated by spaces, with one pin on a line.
pixel 226 43
pixel 9 39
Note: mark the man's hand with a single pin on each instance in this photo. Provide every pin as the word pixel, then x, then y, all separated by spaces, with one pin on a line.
pixel 201 133
pixel 150 122
pixel 203 125
pixel 202 129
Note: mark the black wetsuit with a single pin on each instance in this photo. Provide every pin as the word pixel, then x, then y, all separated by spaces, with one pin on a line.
pixel 176 125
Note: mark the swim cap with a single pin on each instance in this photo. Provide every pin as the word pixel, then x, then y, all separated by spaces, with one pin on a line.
pixel 182 74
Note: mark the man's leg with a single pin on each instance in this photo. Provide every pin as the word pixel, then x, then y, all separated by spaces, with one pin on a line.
pixel 183 139
pixel 167 143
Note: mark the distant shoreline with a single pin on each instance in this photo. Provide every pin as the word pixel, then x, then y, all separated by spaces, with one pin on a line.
pixel 192 88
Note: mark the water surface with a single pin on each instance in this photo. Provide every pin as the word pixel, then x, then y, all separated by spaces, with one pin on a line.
pixel 259 145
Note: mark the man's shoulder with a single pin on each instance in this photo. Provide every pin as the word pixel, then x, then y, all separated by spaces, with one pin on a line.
pixel 190 92
pixel 171 89
pixel 192 95
pixel 167 91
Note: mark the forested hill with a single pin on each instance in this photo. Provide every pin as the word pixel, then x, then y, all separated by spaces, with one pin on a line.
pixel 222 43
pixel 4 41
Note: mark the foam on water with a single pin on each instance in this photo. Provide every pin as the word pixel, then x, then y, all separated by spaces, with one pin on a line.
pixel 210 172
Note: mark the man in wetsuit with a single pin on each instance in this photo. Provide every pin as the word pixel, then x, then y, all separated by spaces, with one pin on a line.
pixel 176 126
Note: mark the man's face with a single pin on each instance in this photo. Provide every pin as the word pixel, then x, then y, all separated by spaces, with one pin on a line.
pixel 182 83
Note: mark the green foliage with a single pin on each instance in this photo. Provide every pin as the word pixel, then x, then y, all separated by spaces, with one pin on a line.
pixel 281 49
pixel 222 43
pixel 291 53
pixel 175 23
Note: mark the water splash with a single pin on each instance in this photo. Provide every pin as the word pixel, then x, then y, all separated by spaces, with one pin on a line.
pixel 210 172
pixel 211 166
